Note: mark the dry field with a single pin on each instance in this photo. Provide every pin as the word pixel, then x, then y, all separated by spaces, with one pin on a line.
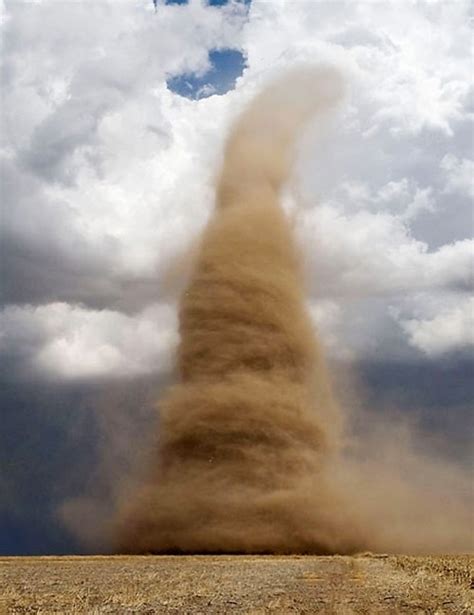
pixel 254 585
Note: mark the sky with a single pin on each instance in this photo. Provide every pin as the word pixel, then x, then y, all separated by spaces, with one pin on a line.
pixel 113 119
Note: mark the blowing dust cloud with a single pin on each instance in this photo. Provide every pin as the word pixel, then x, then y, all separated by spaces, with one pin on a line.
pixel 250 453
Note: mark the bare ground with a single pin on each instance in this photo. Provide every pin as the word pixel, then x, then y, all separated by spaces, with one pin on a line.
pixel 251 585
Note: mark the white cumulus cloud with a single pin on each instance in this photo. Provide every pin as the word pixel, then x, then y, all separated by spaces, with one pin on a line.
pixel 72 342
pixel 437 329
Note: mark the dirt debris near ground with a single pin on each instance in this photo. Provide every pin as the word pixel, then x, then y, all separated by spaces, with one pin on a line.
pixel 250 585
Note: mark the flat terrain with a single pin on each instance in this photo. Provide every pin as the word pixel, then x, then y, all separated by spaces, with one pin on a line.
pixel 254 585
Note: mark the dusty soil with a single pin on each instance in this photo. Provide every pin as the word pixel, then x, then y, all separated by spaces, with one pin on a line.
pixel 254 585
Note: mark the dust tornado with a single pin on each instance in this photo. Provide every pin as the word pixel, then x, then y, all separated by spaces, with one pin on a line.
pixel 247 432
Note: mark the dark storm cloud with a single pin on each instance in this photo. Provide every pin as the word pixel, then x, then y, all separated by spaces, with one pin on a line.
pixel 52 449
pixel 438 394
pixel 42 427
pixel 43 257
pixel 36 275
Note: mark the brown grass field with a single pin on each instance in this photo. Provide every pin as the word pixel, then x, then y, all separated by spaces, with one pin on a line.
pixel 252 585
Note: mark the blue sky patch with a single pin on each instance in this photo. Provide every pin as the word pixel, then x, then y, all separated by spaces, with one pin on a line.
pixel 227 66
pixel 209 2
